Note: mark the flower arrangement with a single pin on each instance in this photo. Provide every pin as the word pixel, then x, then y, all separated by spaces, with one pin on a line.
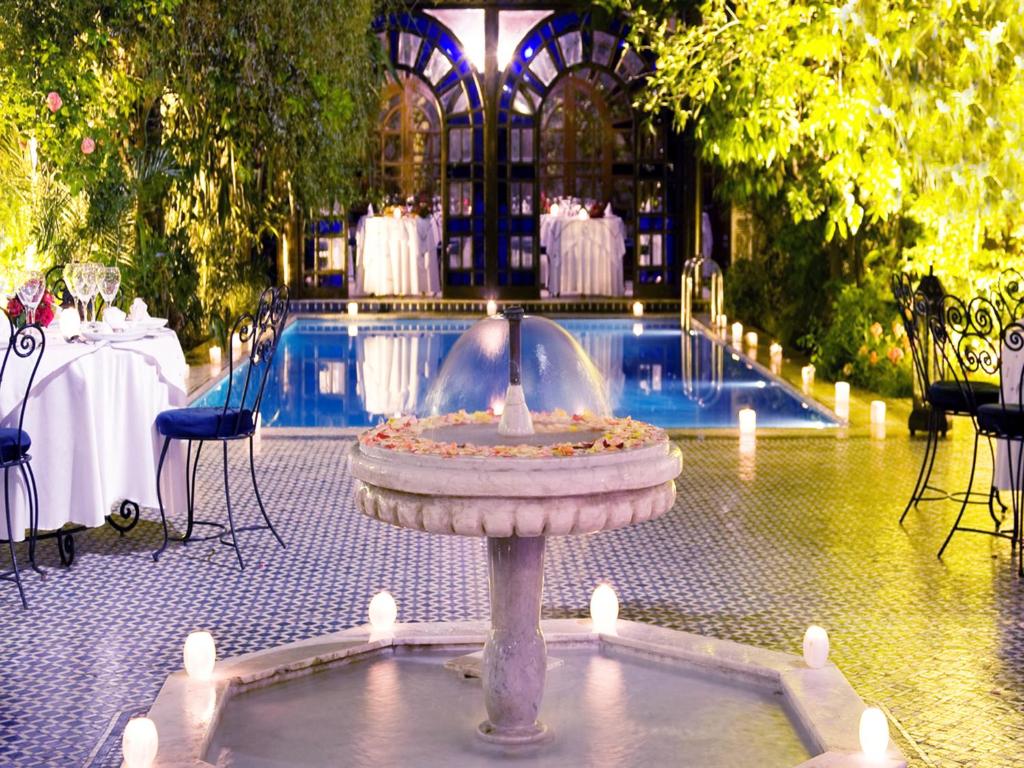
pixel 44 312
pixel 405 434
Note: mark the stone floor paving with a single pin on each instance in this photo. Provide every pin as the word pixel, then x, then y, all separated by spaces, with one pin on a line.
pixel 803 530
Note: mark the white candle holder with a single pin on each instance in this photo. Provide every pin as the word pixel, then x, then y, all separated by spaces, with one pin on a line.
pixel 807 376
pixel 200 655
pixel 816 647
pixel 216 355
pixel 352 308
pixel 775 350
pixel 878 412
pixel 751 339
pixel 638 309
pixel 604 609
pixel 492 307
pixel 737 334
pixel 748 421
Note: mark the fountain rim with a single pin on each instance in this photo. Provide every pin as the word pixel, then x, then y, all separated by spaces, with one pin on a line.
pixel 821 701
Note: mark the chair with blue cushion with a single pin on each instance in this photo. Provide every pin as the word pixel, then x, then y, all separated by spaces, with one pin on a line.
pixel 24 350
pixel 942 394
pixel 234 420
pixel 970 335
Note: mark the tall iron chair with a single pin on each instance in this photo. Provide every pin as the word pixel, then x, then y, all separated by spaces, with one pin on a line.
pixel 1005 420
pixel 967 335
pixel 939 389
pixel 25 348
pixel 235 420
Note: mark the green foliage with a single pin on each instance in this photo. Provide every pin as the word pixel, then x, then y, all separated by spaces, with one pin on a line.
pixel 865 342
pixel 188 130
pixel 893 125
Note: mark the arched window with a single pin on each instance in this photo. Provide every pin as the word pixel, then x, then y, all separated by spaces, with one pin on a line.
pixel 411 132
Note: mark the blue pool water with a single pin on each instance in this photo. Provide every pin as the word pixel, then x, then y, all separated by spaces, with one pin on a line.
pixel 332 373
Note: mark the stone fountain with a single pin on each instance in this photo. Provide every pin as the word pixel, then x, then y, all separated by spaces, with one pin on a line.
pixel 481 462
pixel 516 501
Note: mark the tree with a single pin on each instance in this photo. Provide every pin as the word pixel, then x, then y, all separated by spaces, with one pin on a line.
pixel 861 113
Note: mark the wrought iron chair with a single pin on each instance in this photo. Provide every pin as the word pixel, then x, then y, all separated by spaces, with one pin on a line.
pixel 235 420
pixel 26 346
pixel 57 286
pixel 939 389
pixel 967 335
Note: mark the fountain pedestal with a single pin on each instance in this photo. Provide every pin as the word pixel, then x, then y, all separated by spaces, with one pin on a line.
pixel 515 501
pixel 515 656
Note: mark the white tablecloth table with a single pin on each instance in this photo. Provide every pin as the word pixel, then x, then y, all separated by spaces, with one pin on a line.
pixel 90 416
pixel 398 256
pixel 584 255
pixel 1009 375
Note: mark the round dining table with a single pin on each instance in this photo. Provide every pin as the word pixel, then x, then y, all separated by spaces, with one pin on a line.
pixel 584 255
pixel 397 255
pixel 91 417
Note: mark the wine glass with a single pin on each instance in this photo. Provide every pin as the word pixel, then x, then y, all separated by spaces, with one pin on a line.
pixel 70 273
pixel 31 292
pixel 110 282
pixel 88 281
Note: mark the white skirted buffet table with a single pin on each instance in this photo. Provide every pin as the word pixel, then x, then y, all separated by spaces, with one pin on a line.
pixel 584 255
pixel 397 256
pixel 91 416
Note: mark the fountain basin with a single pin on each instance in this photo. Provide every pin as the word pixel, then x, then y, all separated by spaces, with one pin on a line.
pixel 365 691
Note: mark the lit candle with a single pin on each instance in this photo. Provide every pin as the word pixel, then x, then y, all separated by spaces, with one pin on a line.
pixel 722 322
pixel 638 309
pixel 352 308
pixel 139 743
pixel 807 376
pixel 874 733
pixel 200 654
pixel 638 329
pixel 775 350
pixel 397 212
pixel 215 356
pixel 492 307
pixel 604 609
pixel 382 612
pixel 748 421
pixel 555 209
pixel 843 400
pixel 737 334
pixel 815 647
pixel 878 412
pixel 751 339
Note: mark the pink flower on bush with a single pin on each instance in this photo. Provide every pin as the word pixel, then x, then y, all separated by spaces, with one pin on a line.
pixel 44 312
pixel 895 355
pixel 54 101
pixel 876 330
pixel 88 146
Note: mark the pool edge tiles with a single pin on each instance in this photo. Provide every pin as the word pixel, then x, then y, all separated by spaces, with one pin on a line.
pixel 337 376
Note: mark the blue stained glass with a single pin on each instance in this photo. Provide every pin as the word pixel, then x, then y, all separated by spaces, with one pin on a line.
pixel 566 22
pixel 474 95
pixel 523 225
pixel 523 277
pixel 458 225
pixel 458 278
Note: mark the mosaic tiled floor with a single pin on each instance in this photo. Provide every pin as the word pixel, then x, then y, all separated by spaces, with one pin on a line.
pixel 757 547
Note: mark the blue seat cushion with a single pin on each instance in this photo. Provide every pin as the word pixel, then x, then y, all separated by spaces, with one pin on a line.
pixel 948 396
pixel 204 423
pixel 1005 420
pixel 14 443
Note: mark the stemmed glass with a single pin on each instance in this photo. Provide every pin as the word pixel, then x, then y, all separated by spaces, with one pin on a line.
pixel 31 292
pixel 70 273
pixel 110 282
pixel 87 279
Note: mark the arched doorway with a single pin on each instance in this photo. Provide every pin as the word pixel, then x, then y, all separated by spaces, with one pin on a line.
pixel 411 131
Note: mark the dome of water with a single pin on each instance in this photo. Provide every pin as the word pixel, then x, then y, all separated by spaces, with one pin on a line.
pixel 556 371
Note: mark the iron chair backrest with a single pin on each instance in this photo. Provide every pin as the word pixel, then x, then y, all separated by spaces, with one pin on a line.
pixel 1008 294
pixel 967 335
pixel 57 286
pixel 25 345
pixel 261 331
pixel 914 305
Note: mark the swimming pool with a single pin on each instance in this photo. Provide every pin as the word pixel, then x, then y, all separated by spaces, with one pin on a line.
pixel 340 373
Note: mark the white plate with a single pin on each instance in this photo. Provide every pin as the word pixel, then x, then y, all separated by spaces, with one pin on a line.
pixel 128 335
pixel 149 323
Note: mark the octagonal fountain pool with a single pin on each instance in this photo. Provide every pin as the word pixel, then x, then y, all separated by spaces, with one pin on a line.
pixel 349 373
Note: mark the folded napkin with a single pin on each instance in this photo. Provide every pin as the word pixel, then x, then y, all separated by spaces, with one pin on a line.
pixel 369 210
pixel 139 310
pixel 608 210
pixel 114 317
